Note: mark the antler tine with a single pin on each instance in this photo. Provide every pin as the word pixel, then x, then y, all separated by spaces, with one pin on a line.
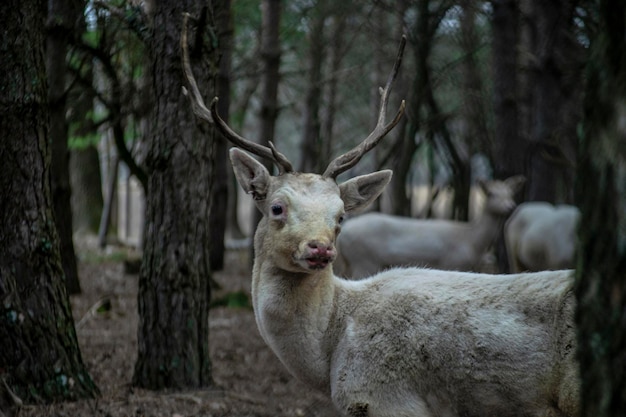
pixel 352 157
pixel 211 116
pixel 269 153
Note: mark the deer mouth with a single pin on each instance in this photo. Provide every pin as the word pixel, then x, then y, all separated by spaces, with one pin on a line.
pixel 318 261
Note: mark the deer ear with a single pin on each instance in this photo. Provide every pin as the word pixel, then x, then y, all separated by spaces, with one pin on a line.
pixel 516 182
pixel 359 192
pixel 253 177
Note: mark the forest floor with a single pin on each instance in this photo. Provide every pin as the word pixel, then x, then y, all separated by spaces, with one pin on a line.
pixel 248 379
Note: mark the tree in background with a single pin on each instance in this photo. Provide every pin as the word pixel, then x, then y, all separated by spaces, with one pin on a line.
pixel 219 199
pixel 509 146
pixel 40 361
pixel 554 81
pixel 174 291
pixel 601 196
pixel 62 18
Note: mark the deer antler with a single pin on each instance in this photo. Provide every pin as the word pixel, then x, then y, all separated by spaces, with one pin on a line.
pixel 212 117
pixel 349 159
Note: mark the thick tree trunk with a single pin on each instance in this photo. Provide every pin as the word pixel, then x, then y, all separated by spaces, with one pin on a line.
pixel 601 196
pixel 174 291
pixel 61 17
pixel 39 355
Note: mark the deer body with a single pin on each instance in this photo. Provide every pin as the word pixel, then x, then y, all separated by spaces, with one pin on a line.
pixel 405 342
pixel 540 236
pixel 373 242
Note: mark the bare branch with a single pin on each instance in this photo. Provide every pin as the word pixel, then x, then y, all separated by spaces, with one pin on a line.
pixel 349 159
pixel 212 117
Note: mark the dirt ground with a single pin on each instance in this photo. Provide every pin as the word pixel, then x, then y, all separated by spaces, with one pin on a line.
pixel 249 379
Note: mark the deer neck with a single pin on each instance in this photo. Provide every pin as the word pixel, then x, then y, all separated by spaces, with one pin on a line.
pixel 485 230
pixel 294 313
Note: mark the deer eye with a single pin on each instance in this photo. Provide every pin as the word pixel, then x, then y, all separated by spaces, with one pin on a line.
pixel 341 218
pixel 278 210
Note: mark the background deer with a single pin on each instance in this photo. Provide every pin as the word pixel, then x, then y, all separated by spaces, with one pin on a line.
pixel 374 241
pixel 406 342
pixel 540 236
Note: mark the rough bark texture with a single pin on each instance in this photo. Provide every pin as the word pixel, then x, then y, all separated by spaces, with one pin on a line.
pixel 601 196
pixel 60 24
pixel 174 289
pixel 39 356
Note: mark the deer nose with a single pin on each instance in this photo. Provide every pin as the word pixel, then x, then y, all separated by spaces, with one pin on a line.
pixel 320 248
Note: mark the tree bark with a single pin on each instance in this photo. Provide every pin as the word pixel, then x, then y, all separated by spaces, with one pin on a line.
pixel 337 51
pixel 39 354
pixel 508 144
pixel 86 183
pixel 601 196
pixel 310 153
pixel 174 291
pixel 474 113
pixel 219 203
pixel 555 82
pixel 62 14
pixel 270 55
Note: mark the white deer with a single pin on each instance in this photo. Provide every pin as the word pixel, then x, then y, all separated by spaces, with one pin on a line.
pixel 540 236
pixel 406 342
pixel 375 241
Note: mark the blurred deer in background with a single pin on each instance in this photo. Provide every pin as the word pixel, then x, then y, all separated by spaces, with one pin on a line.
pixel 406 342
pixel 540 236
pixel 373 242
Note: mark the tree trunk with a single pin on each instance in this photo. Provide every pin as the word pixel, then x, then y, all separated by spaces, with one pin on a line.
pixel 554 78
pixel 509 144
pixel 406 147
pixel 174 291
pixel 270 55
pixel 219 203
pixel 601 196
pixel 39 354
pixel 61 17
pixel 337 51
pixel 86 183
pixel 311 124
pixel 475 132
pixel 507 141
pixel 85 174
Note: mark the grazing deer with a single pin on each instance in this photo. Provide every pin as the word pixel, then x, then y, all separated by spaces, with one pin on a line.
pixel 406 342
pixel 372 242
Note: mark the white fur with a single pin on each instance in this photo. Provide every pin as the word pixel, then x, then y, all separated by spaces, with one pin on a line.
pixel 540 236
pixel 373 242
pixel 405 342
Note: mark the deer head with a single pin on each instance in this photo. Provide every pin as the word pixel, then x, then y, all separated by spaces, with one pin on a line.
pixel 301 210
